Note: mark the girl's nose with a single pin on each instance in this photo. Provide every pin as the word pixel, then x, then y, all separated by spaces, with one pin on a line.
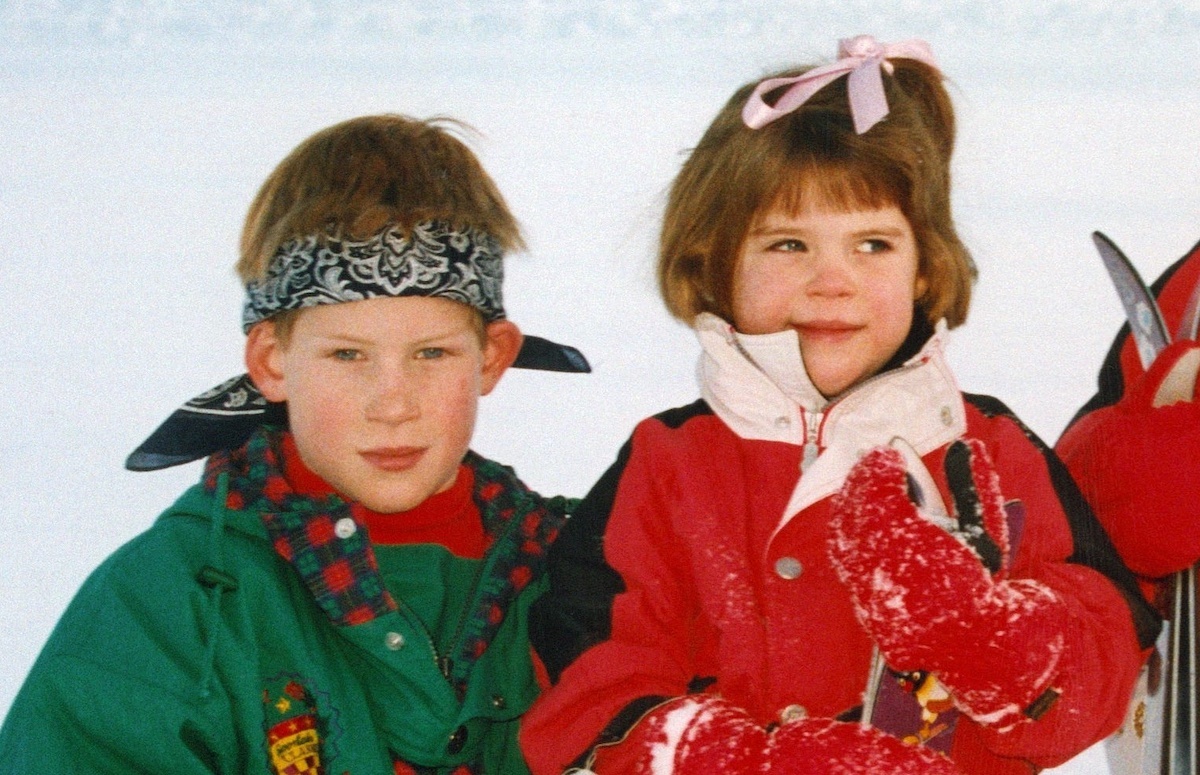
pixel 830 276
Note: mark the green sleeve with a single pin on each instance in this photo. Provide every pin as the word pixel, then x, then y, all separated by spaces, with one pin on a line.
pixel 74 716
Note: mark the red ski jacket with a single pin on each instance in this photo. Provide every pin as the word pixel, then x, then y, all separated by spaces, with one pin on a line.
pixel 698 563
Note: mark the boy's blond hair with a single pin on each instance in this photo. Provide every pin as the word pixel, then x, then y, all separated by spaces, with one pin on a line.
pixel 813 155
pixel 360 176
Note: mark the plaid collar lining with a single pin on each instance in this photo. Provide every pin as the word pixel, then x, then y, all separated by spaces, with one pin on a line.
pixel 339 566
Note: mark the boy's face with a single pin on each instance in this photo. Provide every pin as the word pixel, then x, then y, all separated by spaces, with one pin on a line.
pixel 845 281
pixel 382 393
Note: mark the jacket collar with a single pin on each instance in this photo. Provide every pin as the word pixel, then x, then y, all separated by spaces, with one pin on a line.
pixel 749 383
pixel 330 550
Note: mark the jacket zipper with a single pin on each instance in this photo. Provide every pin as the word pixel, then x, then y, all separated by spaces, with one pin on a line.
pixel 812 437
pixel 485 567
pixel 814 422
pixel 438 660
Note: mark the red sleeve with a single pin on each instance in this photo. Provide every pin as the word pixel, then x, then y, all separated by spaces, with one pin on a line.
pixel 646 656
pixel 1102 656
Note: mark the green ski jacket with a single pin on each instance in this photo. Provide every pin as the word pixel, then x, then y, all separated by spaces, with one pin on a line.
pixel 252 633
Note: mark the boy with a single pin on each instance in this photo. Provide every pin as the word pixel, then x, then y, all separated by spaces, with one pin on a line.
pixel 346 589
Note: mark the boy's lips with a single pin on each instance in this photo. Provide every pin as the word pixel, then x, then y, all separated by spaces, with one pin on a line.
pixel 393 458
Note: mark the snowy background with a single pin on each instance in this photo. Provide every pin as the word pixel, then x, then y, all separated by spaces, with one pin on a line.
pixel 134 134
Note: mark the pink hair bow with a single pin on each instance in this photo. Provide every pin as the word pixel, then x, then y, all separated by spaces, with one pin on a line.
pixel 862 58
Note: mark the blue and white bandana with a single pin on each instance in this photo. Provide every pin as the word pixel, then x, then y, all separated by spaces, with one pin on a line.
pixel 434 259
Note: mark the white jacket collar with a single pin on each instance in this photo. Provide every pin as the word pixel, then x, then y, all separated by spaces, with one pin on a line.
pixel 920 402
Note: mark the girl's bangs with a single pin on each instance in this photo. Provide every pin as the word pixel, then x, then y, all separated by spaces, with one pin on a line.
pixel 833 186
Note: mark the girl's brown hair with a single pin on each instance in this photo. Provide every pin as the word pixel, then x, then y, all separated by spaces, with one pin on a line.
pixel 737 174
pixel 360 176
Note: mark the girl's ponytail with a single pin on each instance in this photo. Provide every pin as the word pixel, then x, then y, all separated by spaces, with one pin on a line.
pixel 925 87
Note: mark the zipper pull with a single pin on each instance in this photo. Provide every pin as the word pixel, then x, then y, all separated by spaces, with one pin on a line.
pixel 810 455
pixel 812 430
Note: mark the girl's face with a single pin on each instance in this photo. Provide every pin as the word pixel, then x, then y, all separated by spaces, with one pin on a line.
pixel 845 281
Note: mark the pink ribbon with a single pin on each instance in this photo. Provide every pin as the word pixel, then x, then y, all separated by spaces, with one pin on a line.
pixel 862 58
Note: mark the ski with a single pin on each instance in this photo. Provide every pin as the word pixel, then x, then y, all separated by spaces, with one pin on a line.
pixel 1159 733
pixel 1141 310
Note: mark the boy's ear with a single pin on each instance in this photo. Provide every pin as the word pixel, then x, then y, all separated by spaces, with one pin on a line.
pixel 499 351
pixel 264 361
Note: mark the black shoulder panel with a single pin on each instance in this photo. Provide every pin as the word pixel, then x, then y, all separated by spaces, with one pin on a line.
pixel 674 418
pixel 576 613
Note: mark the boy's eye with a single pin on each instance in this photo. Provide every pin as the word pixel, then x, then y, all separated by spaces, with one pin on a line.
pixel 347 354
pixel 427 353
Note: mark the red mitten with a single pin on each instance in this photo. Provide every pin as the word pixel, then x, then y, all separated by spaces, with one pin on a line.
pixel 821 746
pixel 924 594
pixel 1138 464
pixel 693 735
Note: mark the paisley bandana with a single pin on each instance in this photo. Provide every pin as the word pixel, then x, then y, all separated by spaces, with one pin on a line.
pixel 435 259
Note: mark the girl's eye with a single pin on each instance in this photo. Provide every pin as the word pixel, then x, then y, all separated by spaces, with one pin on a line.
pixel 428 353
pixel 874 246
pixel 789 246
pixel 347 354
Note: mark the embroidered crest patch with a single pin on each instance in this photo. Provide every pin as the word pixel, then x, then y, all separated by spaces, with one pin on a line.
pixel 295 732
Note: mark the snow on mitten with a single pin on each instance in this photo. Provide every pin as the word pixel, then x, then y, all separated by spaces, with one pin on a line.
pixel 821 746
pixel 1138 465
pixel 691 735
pixel 925 596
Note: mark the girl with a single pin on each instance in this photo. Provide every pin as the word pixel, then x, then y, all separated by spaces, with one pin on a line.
pixel 720 596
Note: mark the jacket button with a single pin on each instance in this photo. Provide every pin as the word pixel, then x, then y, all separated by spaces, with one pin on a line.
pixel 498 702
pixel 793 713
pixel 788 568
pixel 394 641
pixel 458 739
pixel 344 528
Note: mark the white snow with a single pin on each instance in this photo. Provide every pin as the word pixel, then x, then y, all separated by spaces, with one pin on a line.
pixel 674 725
pixel 134 134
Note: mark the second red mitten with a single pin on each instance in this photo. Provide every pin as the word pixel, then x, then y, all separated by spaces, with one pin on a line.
pixel 691 735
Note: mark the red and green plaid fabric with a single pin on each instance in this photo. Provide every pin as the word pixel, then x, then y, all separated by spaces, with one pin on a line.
pixel 520 526
pixel 342 573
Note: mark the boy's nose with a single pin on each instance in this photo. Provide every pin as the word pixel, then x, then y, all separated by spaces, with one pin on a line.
pixel 394 399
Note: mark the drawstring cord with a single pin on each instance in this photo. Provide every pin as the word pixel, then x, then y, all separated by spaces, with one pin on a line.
pixel 217 582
